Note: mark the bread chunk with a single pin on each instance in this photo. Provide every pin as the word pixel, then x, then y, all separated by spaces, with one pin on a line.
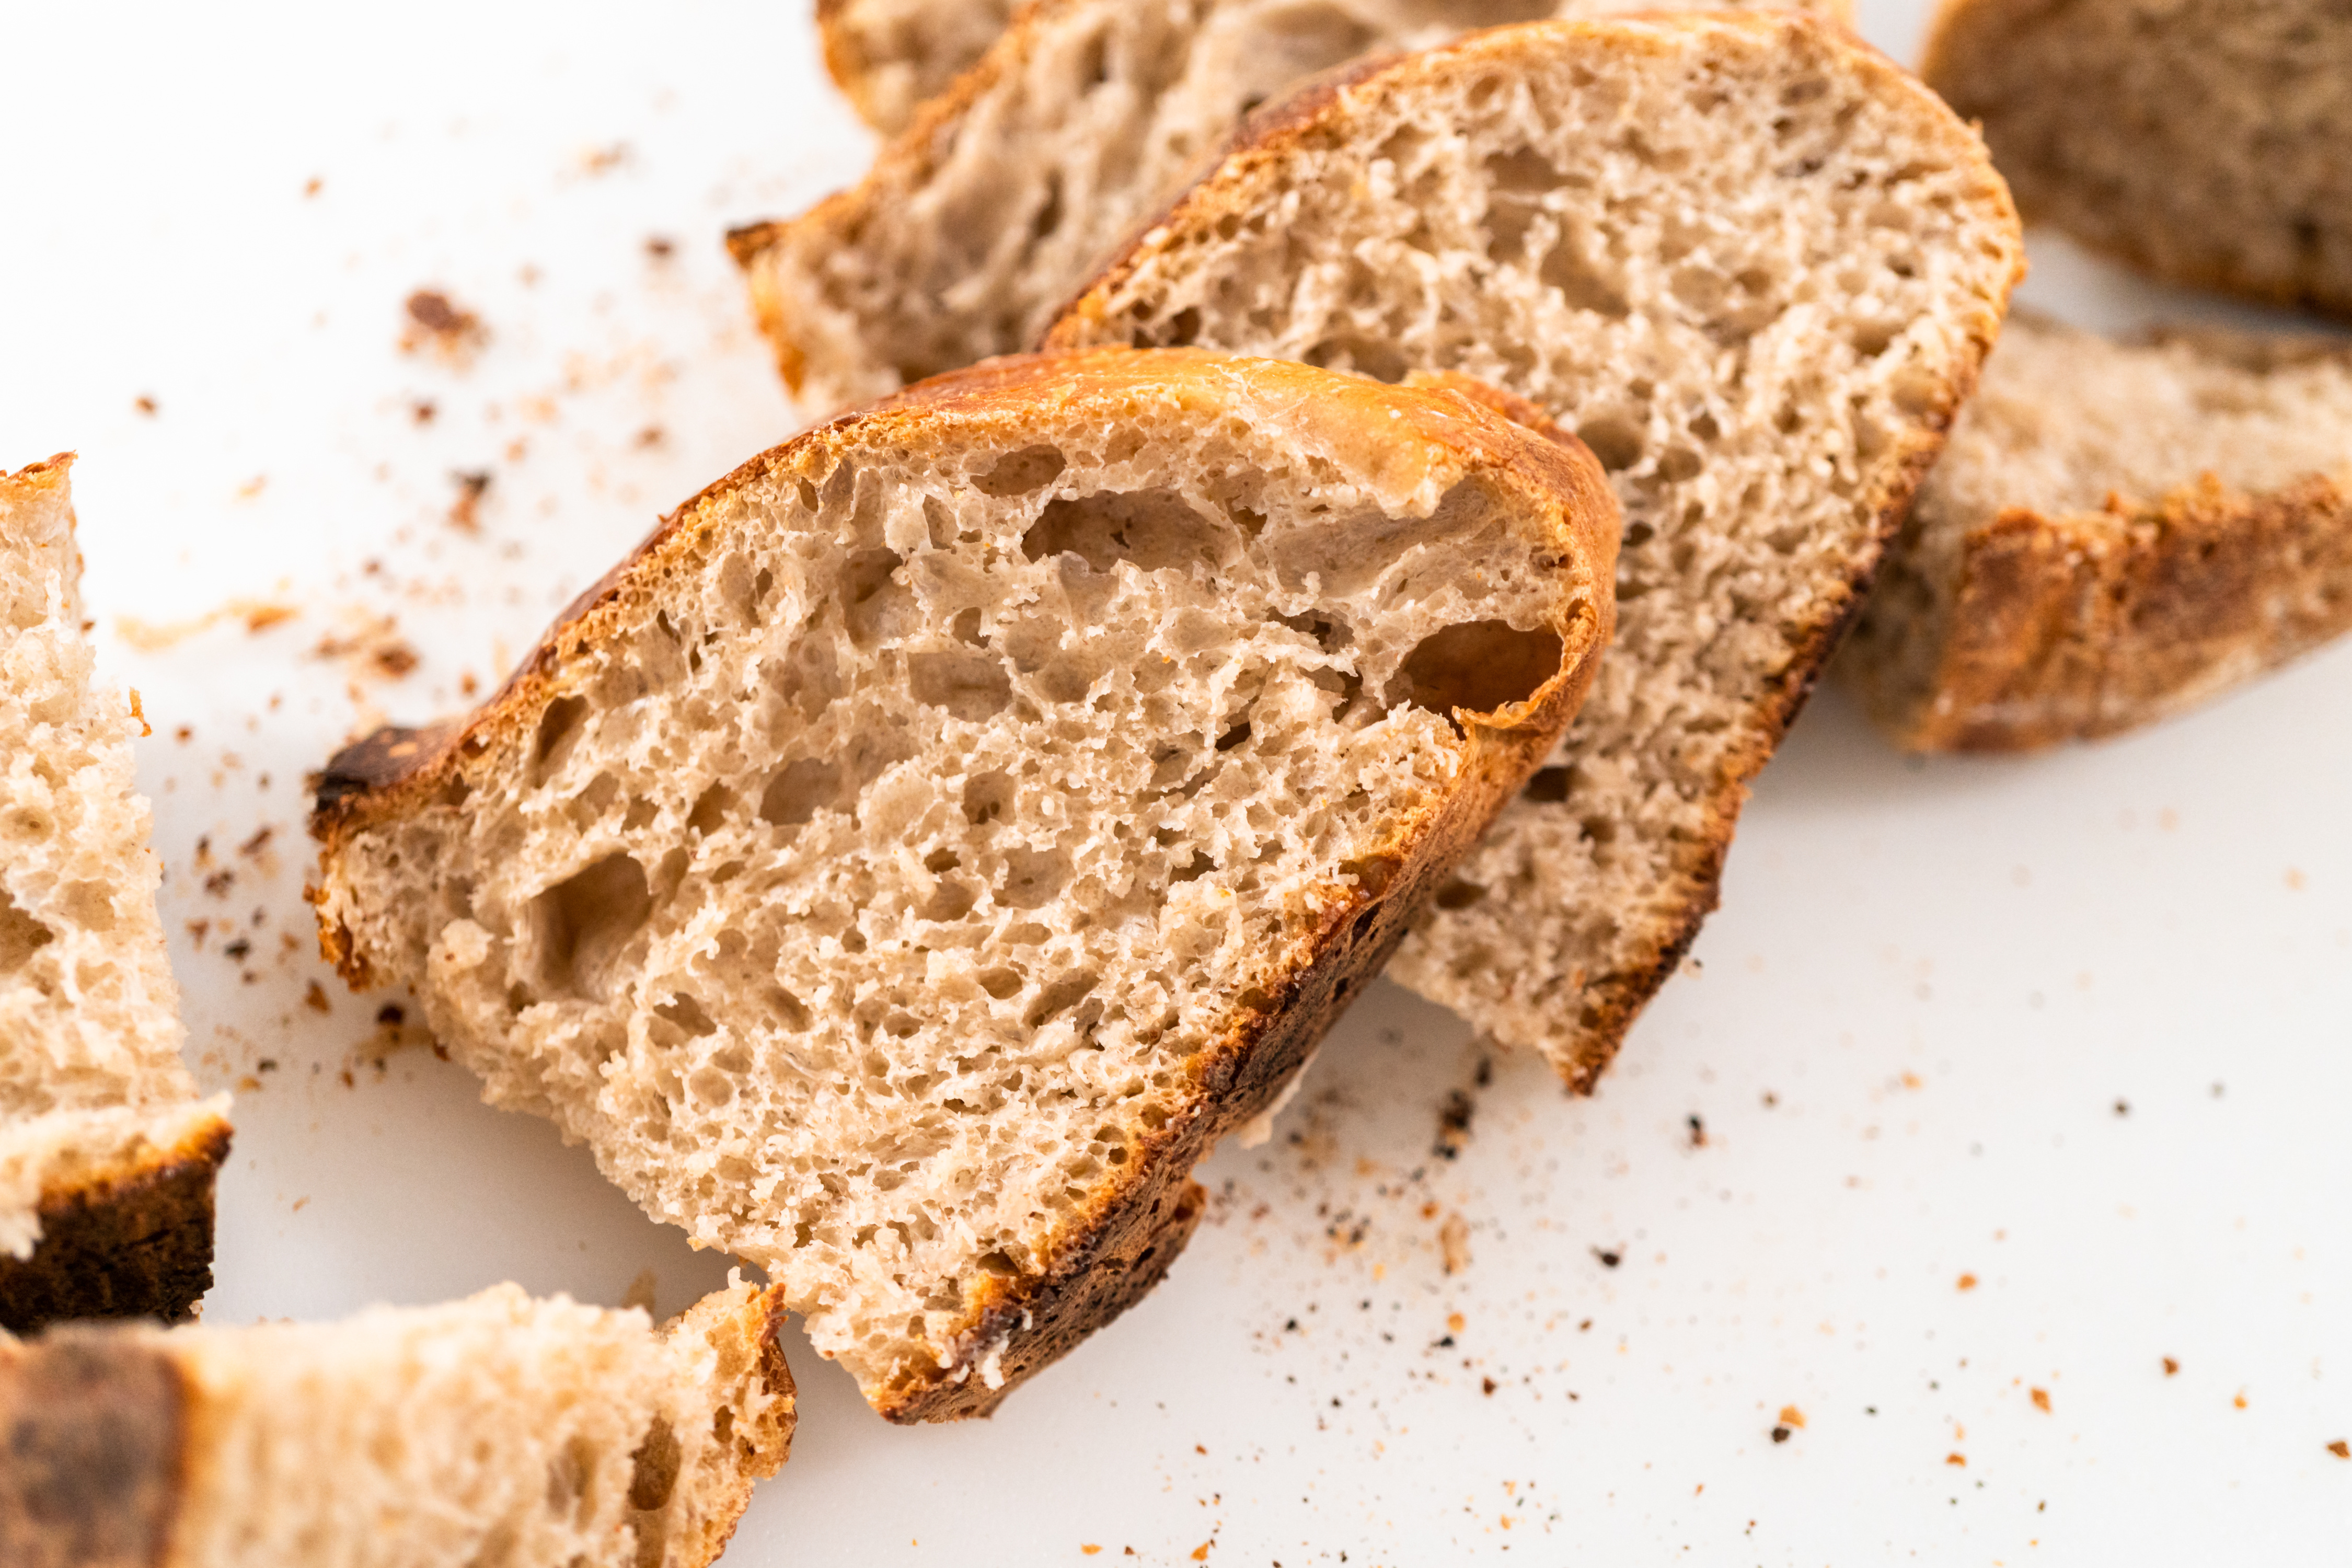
pixel 944 828
pixel 2203 141
pixel 890 56
pixel 107 1156
pixel 499 1429
pixel 1756 268
pixel 2118 531
pixel 980 222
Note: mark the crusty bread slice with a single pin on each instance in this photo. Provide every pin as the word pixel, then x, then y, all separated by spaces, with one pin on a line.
pixel 499 1429
pixel 944 828
pixel 1756 268
pixel 989 212
pixel 2116 533
pixel 107 1157
pixel 2204 141
pixel 891 54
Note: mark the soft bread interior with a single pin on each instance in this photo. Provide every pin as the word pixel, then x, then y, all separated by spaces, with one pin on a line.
pixel 862 888
pixel 1755 268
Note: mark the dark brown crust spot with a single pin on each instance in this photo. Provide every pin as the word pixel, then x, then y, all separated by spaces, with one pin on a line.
pixel 92 1430
pixel 132 1245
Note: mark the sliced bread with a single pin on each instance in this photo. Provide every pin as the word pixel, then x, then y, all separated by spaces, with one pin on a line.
pixel 903 869
pixel 497 1430
pixel 975 226
pixel 107 1155
pixel 2204 141
pixel 891 54
pixel 1756 268
pixel 2118 532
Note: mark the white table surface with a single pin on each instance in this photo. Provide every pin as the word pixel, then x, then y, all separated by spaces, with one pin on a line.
pixel 2074 1027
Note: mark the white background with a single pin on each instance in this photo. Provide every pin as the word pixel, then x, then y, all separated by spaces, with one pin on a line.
pixel 2076 1027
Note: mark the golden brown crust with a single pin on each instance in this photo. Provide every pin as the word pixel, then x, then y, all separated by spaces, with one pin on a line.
pixel 2075 627
pixel 130 1239
pixel 1610 1002
pixel 1105 1257
pixel 93 1442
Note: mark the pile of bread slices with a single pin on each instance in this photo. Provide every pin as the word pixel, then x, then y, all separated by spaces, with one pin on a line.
pixel 1464 433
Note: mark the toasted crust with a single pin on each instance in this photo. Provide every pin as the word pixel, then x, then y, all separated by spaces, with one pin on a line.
pixel 131 1239
pixel 2076 627
pixel 1609 1003
pixel 92 1452
pixel 1106 1257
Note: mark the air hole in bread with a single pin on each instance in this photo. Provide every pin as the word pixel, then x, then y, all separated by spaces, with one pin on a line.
pixel 1550 785
pixel 1459 894
pixel 1032 877
pixel 557 728
pixel 20 935
pixel 969 686
pixel 583 924
pixel 1481 666
pixel 1154 529
pixel 1616 439
pixel 799 792
pixel 1019 473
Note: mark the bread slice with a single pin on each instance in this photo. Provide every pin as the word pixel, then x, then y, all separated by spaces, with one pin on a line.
pixel 1756 268
pixel 975 226
pixel 107 1156
pixel 499 1429
pixel 2118 532
pixel 891 54
pixel 903 869
pixel 2203 141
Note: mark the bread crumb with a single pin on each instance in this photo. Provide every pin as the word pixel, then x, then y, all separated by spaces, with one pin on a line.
pixel 2340 1448
pixel 314 997
pixel 1968 1282
pixel 2170 1367
pixel 2241 1401
pixel 1453 1242
pixel 1959 1459
pixel 2041 1397
pixel 144 404
pixel 463 513
pixel 439 323
pixel 1793 1417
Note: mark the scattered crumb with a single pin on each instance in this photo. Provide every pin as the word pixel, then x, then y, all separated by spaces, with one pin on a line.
pixel 1453 1323
pixel 314 997
pixel 1609 1259
pixel 1453 1124
pixel 437 323
pixel 139 713
pixel 605 160
pixel 2241 1401
pixel 1959 1459
pixel 1453 1241
pixel 1486 1385
pixel 1779 1433
pixel 1697 1131
pixel 2123 1108
pixel 1792 1416
pixel 470 491
pixel 660 246
pixel 1968 1282
pixel 144 404
pixel 651 435
pixel 423 410
pixel 2293 879
pixel 2041 1397
pixel 2340 1448
pixel 2171 1366
pixel 312 186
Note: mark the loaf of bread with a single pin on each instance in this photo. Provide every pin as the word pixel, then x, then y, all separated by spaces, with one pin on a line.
pixel 2208 141
pixel 497 1430
pixel 107 1156
pixel 992 210
pixel 903 869
pixel 2118 532
pixel 1756 268
pixel 891 54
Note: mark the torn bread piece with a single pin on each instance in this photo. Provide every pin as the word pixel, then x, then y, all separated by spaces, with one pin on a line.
pixel 905 868
pixel 497 1429
pixel 890 56
pixel 2203 141
pixel 2118 532
pixel 107 1155
pixel 980 222
pixel 1756 266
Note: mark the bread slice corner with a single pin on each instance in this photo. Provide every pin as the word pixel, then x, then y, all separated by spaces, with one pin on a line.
pixel 498 1429
pixel 107 1155
pixel 2118 531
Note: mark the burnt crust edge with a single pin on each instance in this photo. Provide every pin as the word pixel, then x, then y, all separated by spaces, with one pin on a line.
pixel 135 1240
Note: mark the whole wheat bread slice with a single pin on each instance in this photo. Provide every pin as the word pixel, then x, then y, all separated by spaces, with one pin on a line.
pixel 2204 141
pixel 107 1156
pixel 890 56
pixel 497 1430
pixel 1756 268
pixel 974 227
pixel 2118 532
pixel 944 828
